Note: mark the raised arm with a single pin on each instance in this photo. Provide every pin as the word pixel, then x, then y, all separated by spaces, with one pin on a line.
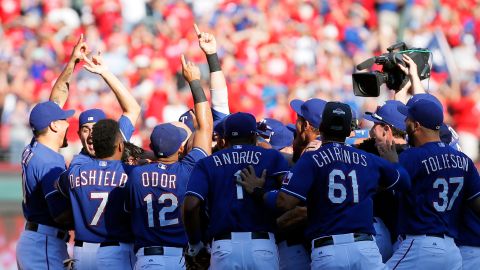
pixel 131 109
pixel 60 89
pixel 203 113
pixel 218 85
pixel 414 86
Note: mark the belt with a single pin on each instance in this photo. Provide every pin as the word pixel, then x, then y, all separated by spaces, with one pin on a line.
pixel 328 240
pixel 48 230
pixel 255 235
pixel 148 251
pixel 292 241
pixel 159 251
pixel 439 235
pixel 79 243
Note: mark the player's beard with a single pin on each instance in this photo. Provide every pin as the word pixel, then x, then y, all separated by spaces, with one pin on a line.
pixel 409 137
pixel 65 142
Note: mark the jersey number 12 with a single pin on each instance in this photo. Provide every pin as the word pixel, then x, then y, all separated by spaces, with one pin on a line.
pixel 166 209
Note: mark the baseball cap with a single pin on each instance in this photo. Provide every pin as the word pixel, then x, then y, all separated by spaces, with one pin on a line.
pixel 46 112
pixel 167 138
pixel 311 110
pixel 187 119
pixel 281 137
pixel 266 127
pixel 336 119
pixel 240 125
pixel 424 96
pixel 219 127
pixel 424 111
pixel 91 116
pixel 388 114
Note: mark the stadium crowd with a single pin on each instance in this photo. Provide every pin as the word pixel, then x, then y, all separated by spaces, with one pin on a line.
pixel 271 52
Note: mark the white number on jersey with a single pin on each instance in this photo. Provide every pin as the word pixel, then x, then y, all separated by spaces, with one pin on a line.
pixel 166 209
pixel 101 208
pixel 340 187
pixel 446 203
pixel 239 187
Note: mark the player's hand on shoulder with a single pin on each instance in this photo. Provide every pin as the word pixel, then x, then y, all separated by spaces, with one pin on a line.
pixel 95 64
pixel 249 180
pixel 388 150
pixel 190 71
pixel 207 41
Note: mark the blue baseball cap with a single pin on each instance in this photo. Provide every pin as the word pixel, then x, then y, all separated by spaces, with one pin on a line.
pixel 388 114
pixel 166 139
pixel 187 119
pixel 219 127
pixel 425 96
pixel 424 111
pixel 266 127
pixel 281 137
pixel 91 116
pixel 240 125
pixel 46 112
pixel 311 110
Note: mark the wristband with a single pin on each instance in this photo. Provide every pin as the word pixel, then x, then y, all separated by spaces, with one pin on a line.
pixel 213 62
pixel 197 91
pixel 258 193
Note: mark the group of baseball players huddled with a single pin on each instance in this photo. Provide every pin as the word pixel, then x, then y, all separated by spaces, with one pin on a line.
pixel 223 191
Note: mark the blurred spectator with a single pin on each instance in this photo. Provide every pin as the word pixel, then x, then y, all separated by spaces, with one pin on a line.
pixel 272 51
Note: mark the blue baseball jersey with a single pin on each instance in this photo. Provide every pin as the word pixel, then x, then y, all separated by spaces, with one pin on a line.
pixel 442 178
pixel 96 191
pixel 469 231
pixel 154 196
pixel 229 208
pixel 41 168
pixel 126 129
pixel 218 115
pixel 337 182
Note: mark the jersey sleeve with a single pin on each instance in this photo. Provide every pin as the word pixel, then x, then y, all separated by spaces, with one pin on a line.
pixel 195 155
pixel 63 184
pixel 392 175
pixel 49 174
pixel 299 181
pixel 217 115
pixel 472 182
pixel 280 165
pixel 126 127
pixel 198 182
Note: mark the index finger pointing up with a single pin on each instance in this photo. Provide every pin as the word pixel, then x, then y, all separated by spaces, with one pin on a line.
pixel 184 63
pixel 197 31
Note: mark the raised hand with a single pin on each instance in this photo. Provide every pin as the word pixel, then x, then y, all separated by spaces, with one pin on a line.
pixel 95 65
pixel 80 50
pixel 411 67
pixel 207 41
pixel 189 70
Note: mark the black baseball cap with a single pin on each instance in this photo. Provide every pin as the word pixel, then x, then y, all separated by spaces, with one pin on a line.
pixel 336 120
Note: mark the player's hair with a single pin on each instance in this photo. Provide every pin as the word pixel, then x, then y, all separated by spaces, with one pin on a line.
pixel 131 150
pixel 105 135
pixel 38 133
pixel 397 133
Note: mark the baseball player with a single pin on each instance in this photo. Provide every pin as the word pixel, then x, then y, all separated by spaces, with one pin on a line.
pixel 155 191
pixel 442 179
pixel 42 244
pixel 131 109
pixel 240 229
pixel 103 238
pixel 468 240
pixel 389 124
pixel 218 85
pixel 309 115
pixel 337 182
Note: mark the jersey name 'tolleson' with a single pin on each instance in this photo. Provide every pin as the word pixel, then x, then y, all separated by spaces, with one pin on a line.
pixel 441 162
